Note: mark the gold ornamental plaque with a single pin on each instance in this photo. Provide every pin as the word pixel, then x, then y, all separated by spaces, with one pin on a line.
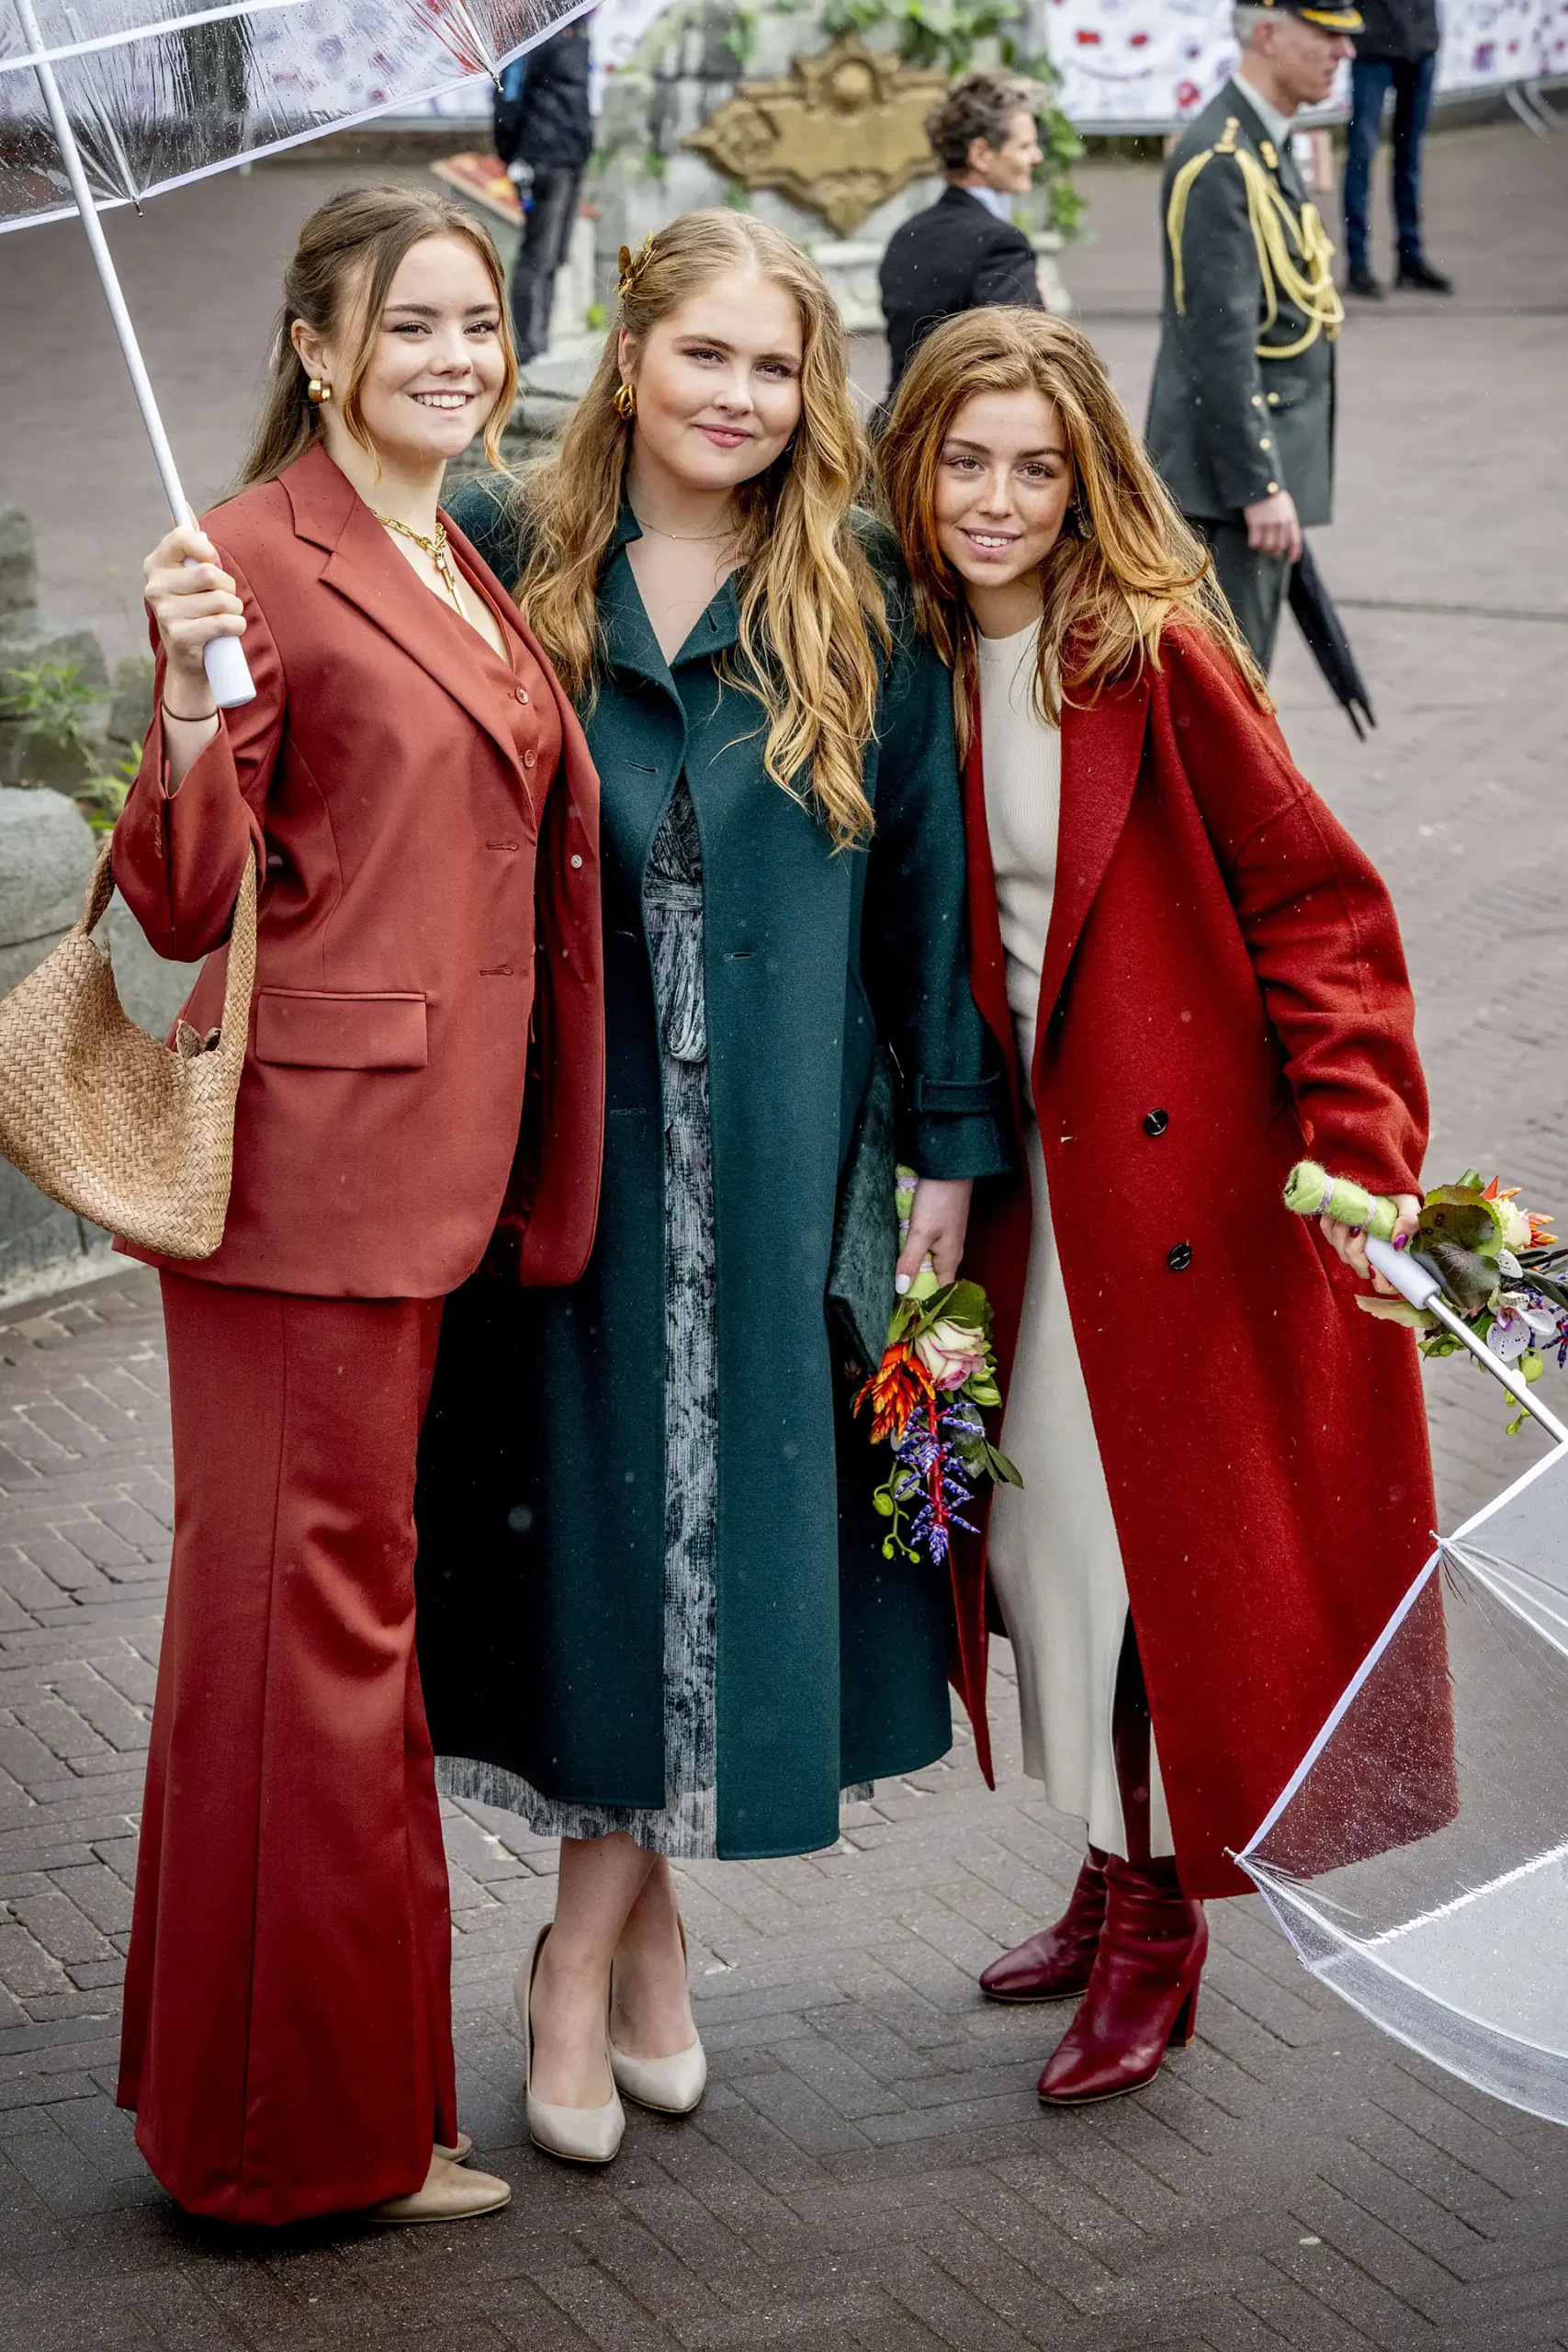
pixel 840 133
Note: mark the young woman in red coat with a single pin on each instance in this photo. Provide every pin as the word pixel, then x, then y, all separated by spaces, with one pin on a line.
pixel 1197 979
pixel 420 798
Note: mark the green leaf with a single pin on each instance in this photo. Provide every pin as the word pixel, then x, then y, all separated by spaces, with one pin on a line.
pixel 1004 1469
pixel 965 1303
pixel 1469 1276
pixel 1456 1213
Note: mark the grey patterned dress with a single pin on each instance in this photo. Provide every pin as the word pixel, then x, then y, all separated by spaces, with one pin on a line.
pixel 685 1826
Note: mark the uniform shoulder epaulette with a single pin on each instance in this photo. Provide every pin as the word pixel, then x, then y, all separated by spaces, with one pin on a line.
pixel 1294 251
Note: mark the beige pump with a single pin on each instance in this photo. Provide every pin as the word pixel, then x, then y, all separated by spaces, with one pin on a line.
pixel 450 2194
pixel 584 2135
pixel 672 2085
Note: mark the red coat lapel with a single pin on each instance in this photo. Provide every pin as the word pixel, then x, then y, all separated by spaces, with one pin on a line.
pixel 1103 745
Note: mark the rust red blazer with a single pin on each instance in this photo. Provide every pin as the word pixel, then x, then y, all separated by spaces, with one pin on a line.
pixel 1224 992
pixel 419 834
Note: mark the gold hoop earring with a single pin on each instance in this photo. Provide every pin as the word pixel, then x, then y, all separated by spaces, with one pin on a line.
pixel 318 391
pixel 626 402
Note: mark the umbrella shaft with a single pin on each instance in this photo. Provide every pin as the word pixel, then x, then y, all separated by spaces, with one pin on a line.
pixel 70 155
pixel 1518 1390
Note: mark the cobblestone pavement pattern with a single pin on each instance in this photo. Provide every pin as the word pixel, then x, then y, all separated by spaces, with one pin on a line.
pixel 871 2169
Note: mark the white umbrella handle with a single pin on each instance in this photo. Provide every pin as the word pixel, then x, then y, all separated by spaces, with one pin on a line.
pixel 1424 1290
pixel 227 670
pixel 1397 1266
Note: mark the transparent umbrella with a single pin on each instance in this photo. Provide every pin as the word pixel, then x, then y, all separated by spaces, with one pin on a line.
pixel 1418 1857
pixel 108 102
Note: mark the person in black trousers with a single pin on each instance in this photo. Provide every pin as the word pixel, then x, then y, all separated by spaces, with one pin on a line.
pixel 963 252
pixel 1396 50
pixel 542 122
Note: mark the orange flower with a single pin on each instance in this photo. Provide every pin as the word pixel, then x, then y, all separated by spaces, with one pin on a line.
pixel 1541 1235
pixel 895 1389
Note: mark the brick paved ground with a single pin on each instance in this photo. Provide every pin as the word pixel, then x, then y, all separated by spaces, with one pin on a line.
pixel 871 2169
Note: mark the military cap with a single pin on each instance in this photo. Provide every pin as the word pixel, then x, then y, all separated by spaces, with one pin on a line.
pixel 1345 18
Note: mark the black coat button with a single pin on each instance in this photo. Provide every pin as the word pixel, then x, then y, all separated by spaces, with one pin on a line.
pixel 1180 1257
pixel 1155 1121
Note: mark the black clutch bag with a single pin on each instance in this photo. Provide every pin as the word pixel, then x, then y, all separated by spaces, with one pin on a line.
pixel 860 1297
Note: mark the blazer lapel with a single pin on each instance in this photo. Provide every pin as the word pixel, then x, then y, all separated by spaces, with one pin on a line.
pixel 1102 744
pixel 363 566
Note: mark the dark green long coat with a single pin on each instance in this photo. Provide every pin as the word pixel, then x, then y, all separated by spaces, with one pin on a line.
pixel 541 1510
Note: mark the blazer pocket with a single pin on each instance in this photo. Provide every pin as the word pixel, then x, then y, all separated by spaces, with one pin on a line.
pixel 307 1029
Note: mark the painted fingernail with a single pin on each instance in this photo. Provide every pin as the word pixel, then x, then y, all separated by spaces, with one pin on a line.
pixel 900 1283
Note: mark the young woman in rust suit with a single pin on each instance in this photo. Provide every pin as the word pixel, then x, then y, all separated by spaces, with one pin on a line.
pixel 420 798
pixel 1197 977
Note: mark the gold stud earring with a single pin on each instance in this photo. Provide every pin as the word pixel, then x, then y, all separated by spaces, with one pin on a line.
pixel 626 402
pixel 318 391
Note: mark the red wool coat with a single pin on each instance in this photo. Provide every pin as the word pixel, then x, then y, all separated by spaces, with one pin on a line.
pixel 420 844
pixel 1224 992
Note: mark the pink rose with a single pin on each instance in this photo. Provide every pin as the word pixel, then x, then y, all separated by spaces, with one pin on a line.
pixel 952 1353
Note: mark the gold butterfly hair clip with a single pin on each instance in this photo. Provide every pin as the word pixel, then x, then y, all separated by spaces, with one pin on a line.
pixel 632 268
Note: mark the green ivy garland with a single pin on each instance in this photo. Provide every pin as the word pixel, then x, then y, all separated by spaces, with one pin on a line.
pixel 948 36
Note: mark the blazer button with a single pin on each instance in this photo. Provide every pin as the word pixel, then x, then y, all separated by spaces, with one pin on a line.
pixel 527 758
pixel 522 693
pixel 576 861
pixel 1180 1257
pixel 1155 1121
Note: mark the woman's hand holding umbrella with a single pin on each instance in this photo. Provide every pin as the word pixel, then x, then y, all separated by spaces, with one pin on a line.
pixel 193 600
pixel 1348 1242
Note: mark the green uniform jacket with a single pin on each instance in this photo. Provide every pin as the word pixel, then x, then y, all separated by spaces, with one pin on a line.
pixel 1243 402
pixel 542 1491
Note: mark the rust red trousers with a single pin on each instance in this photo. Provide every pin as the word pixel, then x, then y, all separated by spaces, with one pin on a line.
pixel 288 2036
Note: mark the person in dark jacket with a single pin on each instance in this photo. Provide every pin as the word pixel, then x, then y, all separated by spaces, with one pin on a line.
pixel 543 123
pixel 1396 50
pixel 656 1614
pixel 1241 412
pixel 963 252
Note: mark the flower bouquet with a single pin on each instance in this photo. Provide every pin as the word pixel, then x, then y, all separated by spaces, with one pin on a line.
pixel 937 1374
pixel 1500 1265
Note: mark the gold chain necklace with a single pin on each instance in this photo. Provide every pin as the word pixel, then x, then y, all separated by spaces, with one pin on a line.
pixel 688 538
pixel 436 548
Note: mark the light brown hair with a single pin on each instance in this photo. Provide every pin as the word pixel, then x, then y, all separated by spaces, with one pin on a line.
pixel 349 251
pixel 812 613
pixel 1126 563
pixel 980 105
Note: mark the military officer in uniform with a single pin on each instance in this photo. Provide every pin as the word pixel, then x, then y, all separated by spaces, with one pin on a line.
pixel 1241 415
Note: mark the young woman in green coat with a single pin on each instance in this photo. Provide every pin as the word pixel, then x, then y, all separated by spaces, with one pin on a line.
pixel 655 1617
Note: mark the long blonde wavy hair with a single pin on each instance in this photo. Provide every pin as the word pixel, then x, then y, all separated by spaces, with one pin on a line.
pixel 1125 565
pixel 812 613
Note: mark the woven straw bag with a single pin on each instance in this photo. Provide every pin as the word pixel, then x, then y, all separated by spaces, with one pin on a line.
pixel 106 1119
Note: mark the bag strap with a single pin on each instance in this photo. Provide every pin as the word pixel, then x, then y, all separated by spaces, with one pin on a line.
pixel 239 977
pixel 100 890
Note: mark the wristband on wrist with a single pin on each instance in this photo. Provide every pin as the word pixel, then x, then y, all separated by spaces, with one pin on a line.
pixel 186 717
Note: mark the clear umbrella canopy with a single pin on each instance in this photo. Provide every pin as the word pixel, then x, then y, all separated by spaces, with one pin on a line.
pixel 159 92
pixel 1418 1860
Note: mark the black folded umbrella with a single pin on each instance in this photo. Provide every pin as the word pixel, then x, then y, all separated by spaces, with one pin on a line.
pixel 1325 633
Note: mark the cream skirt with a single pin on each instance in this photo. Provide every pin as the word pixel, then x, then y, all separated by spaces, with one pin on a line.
pixel 1057 1564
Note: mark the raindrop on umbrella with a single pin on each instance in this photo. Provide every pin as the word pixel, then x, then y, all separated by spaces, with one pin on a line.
pixel 113 101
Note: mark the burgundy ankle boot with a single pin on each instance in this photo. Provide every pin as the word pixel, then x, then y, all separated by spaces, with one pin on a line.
pixel 1143 1993
pixel 1054 1966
